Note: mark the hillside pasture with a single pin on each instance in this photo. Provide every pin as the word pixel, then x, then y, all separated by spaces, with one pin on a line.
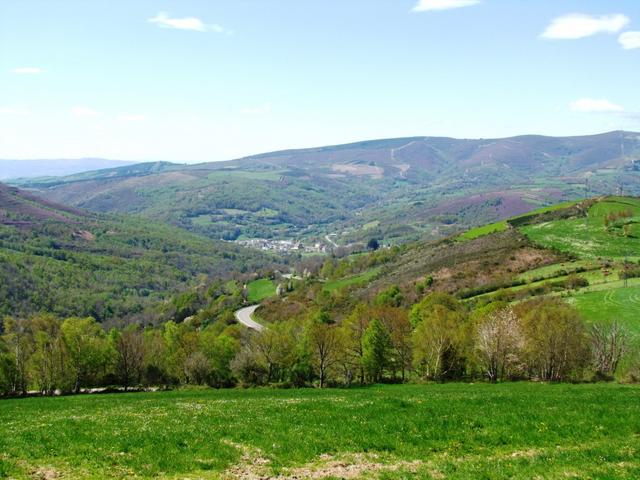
pixel 585 237
pixel 620 304
pixel 361 278
pixel 260 289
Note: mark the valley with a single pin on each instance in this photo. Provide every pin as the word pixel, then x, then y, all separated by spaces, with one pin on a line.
pixel 398 189
pixel 284 240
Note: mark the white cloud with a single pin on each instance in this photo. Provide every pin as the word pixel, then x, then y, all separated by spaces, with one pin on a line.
pixel 594 105
pixel 81 111
pixel 27 70
pixel 259 110
pixel 629 40
pixel 430 5
pixel 579 25
pixel 131 117
pixel 162 19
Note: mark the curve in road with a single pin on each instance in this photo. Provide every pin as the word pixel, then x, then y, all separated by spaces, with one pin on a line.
pixel 243 316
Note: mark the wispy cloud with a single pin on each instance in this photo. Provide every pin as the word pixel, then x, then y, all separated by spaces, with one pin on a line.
pixel 27 70
pixel 594 105
pixel 80 111
pixel 579 25
pixel 629 40
pixel 131 117
pixel 163 20
pixel 431 5
pixel 259 110
pixel 19 112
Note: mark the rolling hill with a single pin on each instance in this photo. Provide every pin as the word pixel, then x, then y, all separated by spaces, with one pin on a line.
pixel 397 189
pixel 71 262
pixel 586 252
pixel 43 168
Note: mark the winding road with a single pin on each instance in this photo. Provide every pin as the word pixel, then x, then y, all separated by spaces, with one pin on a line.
pixel 244 317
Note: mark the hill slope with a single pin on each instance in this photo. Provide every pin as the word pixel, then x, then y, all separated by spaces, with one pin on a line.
pixel 74 263
pixel 586 252
pixel 43 168
pixel 398 189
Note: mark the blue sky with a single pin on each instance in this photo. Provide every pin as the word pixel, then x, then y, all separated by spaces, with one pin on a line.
pixel 202 80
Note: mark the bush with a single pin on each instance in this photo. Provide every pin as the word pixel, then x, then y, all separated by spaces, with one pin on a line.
pixel 573 282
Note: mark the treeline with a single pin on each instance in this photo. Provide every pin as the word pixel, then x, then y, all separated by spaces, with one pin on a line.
pixel 439 339
pixel 46 355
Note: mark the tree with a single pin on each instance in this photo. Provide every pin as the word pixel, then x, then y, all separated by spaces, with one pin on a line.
pixel 609 343
pixel 556 342
pixel 499 343
pixel 7 368
pixel 428 303
pixel 396 321
pixel 391 297
pixel 325 344
pixel 49 357
pixel 220 350
pixel 438 342
pixel 155 357
pixel 276 350
pixel 88 350
pixel 197 368
pixel 20 345
pixel 181 341
pixel 129 349
pixel 373 244
pixel 376 346
pixel 354 328
pixel 247 367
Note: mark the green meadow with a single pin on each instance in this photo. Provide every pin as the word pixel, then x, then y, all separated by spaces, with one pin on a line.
pixel 589 237
pixel 361 278
pixel 260 289
pixel 521 430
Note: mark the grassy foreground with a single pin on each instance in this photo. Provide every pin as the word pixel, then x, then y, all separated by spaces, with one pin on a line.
pixel 420 431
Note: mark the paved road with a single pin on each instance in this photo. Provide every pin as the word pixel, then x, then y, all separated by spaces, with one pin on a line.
pixel 328 239
pixel 244 317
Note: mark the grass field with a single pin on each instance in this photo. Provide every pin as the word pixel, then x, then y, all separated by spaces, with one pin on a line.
pixel 363 277
pixel 420 431
pixel 503 224
pixel 621 304
pixel 260 289
pixel 484 230
pixel 588 239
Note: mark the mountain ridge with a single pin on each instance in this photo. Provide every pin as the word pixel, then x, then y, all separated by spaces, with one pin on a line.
pixel 399 189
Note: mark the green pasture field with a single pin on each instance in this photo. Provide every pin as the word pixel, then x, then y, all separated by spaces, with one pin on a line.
pixel 620 304
pixel 556 269
pixel 587 237
pixel 463 431
pixel 363 277
pixel 503 224
pixel 260 289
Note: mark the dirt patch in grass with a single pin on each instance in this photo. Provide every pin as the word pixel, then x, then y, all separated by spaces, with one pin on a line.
pixel 350 466
pixel 45 473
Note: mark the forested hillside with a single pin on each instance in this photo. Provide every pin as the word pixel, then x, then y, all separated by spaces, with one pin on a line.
pixel 69 262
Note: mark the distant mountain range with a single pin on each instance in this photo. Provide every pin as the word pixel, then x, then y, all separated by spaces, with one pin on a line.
pixel 397 189
pixel 54 167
